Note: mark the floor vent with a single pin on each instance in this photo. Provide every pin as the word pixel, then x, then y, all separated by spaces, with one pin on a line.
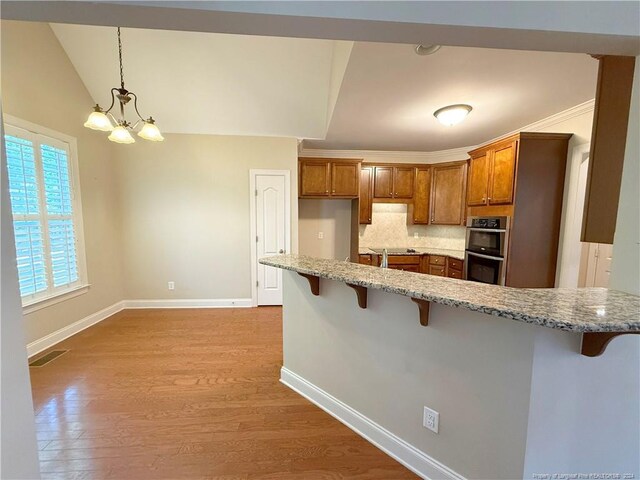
pixel 49 357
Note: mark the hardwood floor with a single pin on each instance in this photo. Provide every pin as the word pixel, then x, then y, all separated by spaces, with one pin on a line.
pixel 188 394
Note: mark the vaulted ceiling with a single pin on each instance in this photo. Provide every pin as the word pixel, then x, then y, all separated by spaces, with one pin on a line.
pixel 206 83
pixel 333 94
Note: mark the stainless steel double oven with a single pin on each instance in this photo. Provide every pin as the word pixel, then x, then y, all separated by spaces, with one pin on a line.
pixel 486 249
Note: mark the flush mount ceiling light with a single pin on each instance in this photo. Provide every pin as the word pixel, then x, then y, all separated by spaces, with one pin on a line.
pixel 452 114
pixel 426 49
pixel 121 133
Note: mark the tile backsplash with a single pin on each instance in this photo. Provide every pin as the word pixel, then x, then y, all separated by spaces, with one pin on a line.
pixel 389 229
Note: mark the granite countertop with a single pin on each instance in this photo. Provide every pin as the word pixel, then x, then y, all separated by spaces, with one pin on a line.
pixel 459 254
pixel 575 310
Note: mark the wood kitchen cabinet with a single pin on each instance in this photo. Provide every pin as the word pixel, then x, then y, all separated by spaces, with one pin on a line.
pixel 393 182
pixel 448 192
pixel 418 212
pixel 365 207
pixel 492 172
pixel 455 268
pixel 328 178
pixel 522 177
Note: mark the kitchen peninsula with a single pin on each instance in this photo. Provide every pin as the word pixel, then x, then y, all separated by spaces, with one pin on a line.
pixel 487 358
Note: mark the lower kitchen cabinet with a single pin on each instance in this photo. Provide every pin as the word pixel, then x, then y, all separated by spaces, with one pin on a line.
pixel 364 259
pixel 437 270
pixel 439 265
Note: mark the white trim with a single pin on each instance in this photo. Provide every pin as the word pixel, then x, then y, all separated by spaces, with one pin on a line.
pixel 252 221
pixel 45 302
pixel 189 303
pixel 408 455
pixel 50 340
pixel 69 143
pixel 454 153
pixel 569 252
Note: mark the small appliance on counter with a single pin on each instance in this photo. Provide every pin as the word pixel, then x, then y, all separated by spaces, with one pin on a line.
pixel 486 249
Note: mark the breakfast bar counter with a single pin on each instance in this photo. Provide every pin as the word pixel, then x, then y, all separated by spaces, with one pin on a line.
pixel 582 310
pixel 514 374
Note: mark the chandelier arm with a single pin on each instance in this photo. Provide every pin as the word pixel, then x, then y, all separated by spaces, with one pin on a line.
pixel 135 106
pixel 113 100
pixel 113 118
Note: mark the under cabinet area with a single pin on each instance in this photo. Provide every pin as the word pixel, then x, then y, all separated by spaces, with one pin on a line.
pixel 328 178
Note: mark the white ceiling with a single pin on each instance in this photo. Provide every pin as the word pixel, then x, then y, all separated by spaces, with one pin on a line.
pixel 206 83
pixel 389 94
pixel 370 96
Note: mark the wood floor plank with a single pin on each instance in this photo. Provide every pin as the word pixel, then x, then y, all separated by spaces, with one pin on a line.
pixel 188 394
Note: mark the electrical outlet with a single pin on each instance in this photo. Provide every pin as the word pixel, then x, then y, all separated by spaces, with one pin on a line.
pixel 320 235
pixel 416 235
pixel 431 419
pixel 171 285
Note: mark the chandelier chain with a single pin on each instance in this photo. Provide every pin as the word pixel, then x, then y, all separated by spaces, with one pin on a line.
pixel 120 57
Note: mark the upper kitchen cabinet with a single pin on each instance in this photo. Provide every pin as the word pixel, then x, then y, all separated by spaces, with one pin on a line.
pixel 448 191
pixel 393 182
pixel 366 194
pixel 328 178
pixel 492 170
pixel 419 210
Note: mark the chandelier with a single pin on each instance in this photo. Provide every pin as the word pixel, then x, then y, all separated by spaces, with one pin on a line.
pixel 121 133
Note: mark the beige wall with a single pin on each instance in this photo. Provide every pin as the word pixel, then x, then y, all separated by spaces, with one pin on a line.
pixel 185 213
pixel 332 218
pixel 40 85
pixel 474 369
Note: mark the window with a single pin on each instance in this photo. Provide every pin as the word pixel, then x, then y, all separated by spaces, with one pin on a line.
pixel 47 221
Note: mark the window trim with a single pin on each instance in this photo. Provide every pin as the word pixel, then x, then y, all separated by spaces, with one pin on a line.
pixel 81 286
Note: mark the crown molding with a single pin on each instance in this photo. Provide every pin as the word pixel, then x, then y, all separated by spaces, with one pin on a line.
pixel 454 153
pixel 563 116
pixel 426 157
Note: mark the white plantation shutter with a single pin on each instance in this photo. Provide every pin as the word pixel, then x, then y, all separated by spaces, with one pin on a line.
pixel 42 196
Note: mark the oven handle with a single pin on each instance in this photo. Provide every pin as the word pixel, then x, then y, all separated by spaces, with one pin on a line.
pixel 497 230
pixel 489 257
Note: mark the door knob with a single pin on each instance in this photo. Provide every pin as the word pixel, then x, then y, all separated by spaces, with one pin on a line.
pixel 281 251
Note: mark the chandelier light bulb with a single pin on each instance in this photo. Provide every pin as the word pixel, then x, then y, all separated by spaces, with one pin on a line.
pixel 150 131
pixel 121 134
pixel 98 120
pixel 452 114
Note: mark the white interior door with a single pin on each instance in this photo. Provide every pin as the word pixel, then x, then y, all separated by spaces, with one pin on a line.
pixel 599 265
pixel 272 233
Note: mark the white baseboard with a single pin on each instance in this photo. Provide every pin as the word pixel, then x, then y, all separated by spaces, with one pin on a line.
pixel 50 340
pixel 412 458
pixel 190 303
